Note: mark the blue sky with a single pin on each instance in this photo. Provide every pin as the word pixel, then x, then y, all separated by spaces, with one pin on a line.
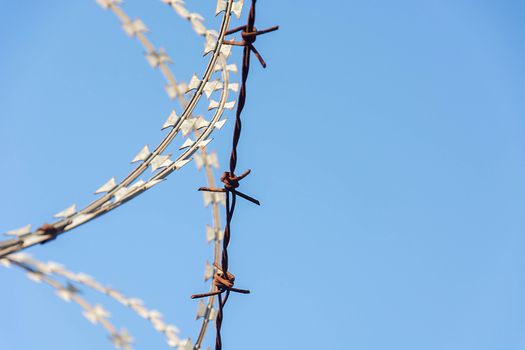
pixel 386 141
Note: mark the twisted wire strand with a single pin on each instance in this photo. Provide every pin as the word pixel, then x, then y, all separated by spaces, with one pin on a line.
pixel 201 30
pixel 103 205
pixel 224 280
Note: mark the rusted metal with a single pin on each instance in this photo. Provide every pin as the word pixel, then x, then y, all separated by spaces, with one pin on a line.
pixel 224 280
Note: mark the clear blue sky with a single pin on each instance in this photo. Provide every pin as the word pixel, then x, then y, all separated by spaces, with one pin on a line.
pixel 387 144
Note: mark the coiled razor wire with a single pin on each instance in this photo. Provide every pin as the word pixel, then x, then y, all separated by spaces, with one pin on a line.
pixel 117 194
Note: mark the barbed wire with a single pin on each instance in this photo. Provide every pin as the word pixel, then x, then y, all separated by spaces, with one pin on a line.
pixel 224 280
pixel 137 28
pixel 122 192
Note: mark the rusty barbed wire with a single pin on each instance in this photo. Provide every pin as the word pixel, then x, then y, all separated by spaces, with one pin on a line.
pixel 136 28
pixel 224 280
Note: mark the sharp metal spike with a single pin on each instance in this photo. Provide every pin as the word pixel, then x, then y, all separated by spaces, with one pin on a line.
pixel 178 6
pixel 230 68
pixel 132 28
pixel 221 6
pixel 154 314
pixel 122 339
pixel 182 163
pixel 199 161
pixel 156 58
pixel 96 314
pixel 213 234
pixel 171 121
pixel 196 23
pixel 220 198
pixel 183 87
pixel 79 220
pixel 121 193
pixel 19 231
pixel 168 162
pixel 207 197
pixel 35 276
pixel 174 91
pixel 229 105
pixel 210 233
pixel 212 160
pixel 213 314
pixel 159 325
pixel 194 83
pixel 137 184
pixel 187 126
pixel 163 56
pixel 185 344
pixel 55 267
pixel 233 87
pixel 196 17
pixel 66 212
pixel 209 46
pixel 172 329
pixel 200 123
pixel 152 59
pixel 108 186
pixel 171 91
pixel 237 8
pixel 152 183
pixel 226 50
pixel 220 123
pixel 141 156
pixel 204 143
pixel 213 104
pixel 209 271
pixel 210 87
pixel 141 311
pixel 158 161
pixel 68 292
pixel 210 43
pixel 173 340
pixel 187 143
pixel 201 309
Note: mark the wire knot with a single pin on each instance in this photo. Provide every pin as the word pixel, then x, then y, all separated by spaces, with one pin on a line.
pixel 249 34
pixel 231 181
pixel 224 282
pixel 249 37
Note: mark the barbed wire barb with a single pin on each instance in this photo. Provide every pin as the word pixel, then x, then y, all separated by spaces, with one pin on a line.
pixel 223 279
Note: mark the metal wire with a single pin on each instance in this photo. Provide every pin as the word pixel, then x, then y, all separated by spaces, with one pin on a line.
pixel 164 68
pixel 224 280
pixel 103 205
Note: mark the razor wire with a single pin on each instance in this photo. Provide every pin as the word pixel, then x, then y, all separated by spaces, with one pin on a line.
pixel 115 194
pixel 119 193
